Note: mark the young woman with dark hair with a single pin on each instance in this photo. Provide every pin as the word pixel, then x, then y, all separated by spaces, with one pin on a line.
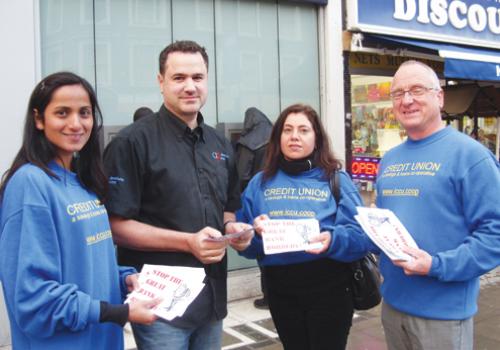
pixel 62 286
pixel 38 150
pixel 309 292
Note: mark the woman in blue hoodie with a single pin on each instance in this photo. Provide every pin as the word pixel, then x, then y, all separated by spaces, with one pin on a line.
pixel 62 286
pixel 309 292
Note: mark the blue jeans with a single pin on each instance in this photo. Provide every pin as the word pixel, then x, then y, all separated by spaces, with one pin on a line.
pixel 160 335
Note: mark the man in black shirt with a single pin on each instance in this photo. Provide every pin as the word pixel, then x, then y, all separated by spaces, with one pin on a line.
pixel 173 186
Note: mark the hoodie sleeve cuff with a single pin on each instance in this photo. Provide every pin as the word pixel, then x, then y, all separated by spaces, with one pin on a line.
pixel 114 313
pixel 435 267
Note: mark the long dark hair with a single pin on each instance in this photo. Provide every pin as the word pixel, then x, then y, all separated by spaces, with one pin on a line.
pixel 323 154
pixel 39 151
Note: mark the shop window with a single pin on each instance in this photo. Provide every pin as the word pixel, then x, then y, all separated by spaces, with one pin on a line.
pixel 375 129
pixel 486 131
pixel 473 109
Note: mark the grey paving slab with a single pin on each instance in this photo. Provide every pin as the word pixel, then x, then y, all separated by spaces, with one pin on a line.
pixel 247 328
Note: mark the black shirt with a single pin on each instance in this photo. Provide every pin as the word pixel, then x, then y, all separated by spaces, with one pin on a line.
pixel 164 174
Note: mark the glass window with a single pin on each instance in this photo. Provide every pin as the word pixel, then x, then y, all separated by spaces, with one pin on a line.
pixel 486 131
pixel 247 58
pixel 262 53
pixel 66 37
pixel 129 37
pixel 299 71
pixel 375 129
pixel 199 28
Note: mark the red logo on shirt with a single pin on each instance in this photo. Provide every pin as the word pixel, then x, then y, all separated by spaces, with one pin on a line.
pixel 219 156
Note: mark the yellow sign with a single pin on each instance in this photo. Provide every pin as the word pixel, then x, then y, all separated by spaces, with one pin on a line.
pixel 387 62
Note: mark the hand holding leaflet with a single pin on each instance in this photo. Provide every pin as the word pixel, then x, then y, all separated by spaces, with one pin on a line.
pixel 229 236
pixel 177 286
pixel 280 236
pixel 386 231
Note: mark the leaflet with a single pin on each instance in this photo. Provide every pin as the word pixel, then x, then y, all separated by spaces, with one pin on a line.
pixel 386 231
pixel 178 286
pixel 280 236
pixel 229 236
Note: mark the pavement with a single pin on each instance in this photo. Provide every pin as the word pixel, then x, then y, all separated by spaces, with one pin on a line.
pixel 247 328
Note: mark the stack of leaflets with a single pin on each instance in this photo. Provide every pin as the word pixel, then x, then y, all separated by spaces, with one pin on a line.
pixel 177 286
pixel 280 236
pixel 386 231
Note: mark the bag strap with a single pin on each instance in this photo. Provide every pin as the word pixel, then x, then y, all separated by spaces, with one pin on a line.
pixel 335 186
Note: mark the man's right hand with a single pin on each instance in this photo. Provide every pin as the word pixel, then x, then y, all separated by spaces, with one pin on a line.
pixel 205 250
pixel 140 311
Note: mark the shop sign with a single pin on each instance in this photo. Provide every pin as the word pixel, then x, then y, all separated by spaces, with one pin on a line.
pixel 364 168
pixel 389 63
pixel 319 2
pixel 470 22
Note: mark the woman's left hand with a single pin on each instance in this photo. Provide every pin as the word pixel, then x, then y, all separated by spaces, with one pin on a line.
pixel 324 238
pixel 257 223
pixel 132 282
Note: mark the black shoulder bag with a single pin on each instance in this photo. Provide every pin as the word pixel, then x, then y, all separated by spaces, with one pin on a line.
pixel 365 273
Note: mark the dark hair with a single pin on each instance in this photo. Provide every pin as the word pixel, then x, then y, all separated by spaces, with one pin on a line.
pixel 181 46
pixel 323 155
pixel 38 150
pixel 141 112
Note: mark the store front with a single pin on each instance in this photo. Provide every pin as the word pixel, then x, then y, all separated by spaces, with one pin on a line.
pixel 460 40
pixel 263 53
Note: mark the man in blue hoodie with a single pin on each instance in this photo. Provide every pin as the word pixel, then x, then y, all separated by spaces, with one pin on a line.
pixel 444 187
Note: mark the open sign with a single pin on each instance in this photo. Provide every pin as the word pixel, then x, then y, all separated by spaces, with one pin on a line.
pixel 364 168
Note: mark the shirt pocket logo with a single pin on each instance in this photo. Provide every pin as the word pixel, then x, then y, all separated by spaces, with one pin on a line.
pixel 219 156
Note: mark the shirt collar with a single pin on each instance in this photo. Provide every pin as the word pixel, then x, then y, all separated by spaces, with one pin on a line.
pixel 180 128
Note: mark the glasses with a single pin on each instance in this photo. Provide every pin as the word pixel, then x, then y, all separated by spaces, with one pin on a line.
pixel 414 91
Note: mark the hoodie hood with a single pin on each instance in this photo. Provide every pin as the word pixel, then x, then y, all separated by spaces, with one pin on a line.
pixel 256 129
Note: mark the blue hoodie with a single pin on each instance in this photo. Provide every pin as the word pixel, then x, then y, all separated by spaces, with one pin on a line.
pixel 305 196
pixel 445 189
pixel 57 262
